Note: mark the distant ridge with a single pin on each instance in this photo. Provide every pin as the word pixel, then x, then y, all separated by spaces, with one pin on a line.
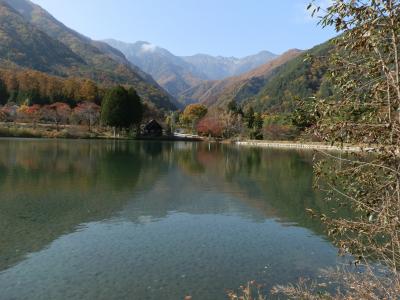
pixel 178 74
pixel 219 67
pixel 170 71
pixel 238 88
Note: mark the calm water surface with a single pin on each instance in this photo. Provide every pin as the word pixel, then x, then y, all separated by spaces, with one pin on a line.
pixel 150 220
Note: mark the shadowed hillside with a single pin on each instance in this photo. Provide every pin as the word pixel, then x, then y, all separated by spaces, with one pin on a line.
pixel 32 38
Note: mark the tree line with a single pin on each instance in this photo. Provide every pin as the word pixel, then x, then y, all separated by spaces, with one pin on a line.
pixel 224 123
pixel 33 97
pixel 32 87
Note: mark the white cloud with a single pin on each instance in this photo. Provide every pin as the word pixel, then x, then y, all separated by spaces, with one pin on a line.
pixel 149 47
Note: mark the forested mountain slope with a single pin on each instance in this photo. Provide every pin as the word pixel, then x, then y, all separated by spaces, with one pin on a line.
pixel 301 77
pixel 79 55
pixel 239 88
pixel 24 45
pixel 273 87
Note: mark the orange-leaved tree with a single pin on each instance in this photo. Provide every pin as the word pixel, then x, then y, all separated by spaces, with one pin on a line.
pixel 192 115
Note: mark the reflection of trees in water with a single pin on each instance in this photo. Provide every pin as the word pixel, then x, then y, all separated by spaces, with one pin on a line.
pixel 50 187
pixel 276 182
pixel 188 161
pixel 71 164
pixel 154 148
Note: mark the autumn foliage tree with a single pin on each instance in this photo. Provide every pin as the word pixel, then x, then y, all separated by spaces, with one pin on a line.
pixel 8 113
pixel 87 113
pixel 210 126
pixel 33 87
pixel 31 114
pixel 88 91
pixel 3 116
pixel 58 113
pixel 192 114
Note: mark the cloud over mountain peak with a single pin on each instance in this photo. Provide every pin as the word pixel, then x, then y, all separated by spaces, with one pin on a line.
pixel 148 47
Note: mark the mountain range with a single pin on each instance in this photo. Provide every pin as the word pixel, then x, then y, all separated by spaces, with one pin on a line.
pixel 264 81
pixel 30 38
pixel 219 67
pixel 170 71
pixel 180 73
pixel 272 87
pixel 237 88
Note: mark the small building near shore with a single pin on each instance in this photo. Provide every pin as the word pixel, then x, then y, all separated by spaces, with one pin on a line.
pixel 153 128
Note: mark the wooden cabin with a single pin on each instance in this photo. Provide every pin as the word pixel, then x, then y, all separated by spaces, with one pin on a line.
pixel 153 128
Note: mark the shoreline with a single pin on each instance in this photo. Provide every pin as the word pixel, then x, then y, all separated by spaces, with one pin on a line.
pixel 299 146
pixel 105 138
pixel 49 131
pixel 44 131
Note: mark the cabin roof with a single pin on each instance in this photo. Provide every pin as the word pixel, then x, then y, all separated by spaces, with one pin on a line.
pixel 153 125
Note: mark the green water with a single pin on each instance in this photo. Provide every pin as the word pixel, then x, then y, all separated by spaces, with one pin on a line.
pixel 150 220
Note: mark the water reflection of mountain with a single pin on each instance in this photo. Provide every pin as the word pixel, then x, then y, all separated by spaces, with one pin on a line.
pixel 255 183
pixel 50 188
pixel 276 183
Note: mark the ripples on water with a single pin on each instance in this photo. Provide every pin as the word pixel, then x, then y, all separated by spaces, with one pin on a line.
pixel 150 220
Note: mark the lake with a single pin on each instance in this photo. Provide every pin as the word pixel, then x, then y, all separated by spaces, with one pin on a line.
pixel 154 220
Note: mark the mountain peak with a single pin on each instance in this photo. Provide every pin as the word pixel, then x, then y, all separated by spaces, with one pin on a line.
pixel 179 73
pixel 220 67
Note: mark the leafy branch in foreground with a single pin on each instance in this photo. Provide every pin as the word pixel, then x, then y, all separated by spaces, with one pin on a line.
pixel 365 110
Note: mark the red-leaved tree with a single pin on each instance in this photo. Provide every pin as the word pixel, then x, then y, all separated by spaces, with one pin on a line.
pixel 58 113
pixel 210 126
pixel 88 113
pixel 29 114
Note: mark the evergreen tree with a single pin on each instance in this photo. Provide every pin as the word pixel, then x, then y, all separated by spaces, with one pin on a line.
pixel 3 93
pixel 249 118
pixel 256 132
pixel 137 106
pixel 30 97
pixel 121 108
pixel 258 122
pixel 235 108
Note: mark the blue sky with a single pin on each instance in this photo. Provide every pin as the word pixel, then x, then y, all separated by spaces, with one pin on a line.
pixel 186 27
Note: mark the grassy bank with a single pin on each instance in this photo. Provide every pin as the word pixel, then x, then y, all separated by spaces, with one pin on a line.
pixel 35 133
pixel 24 130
